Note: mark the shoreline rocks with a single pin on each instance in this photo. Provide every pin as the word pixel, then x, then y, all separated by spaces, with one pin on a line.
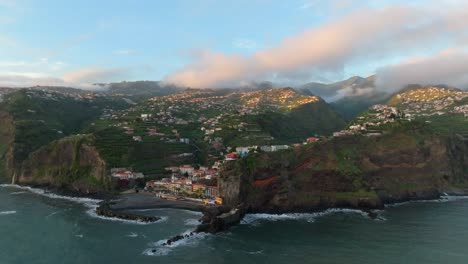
pixel 219 218
pixel 105 210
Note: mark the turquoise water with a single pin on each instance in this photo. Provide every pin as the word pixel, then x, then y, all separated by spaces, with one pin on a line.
pixel 39 229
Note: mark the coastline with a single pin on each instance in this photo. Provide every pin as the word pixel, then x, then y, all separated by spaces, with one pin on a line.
pixel 215 219
pixel 144 200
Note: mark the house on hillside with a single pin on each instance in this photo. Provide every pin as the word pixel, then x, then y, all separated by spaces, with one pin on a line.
pixel 125 174
pixel 184 140
pixel 211 191
pixel 186 169
pixel 266 148
pixel 145 117
pixel 231 156
pixel 312 139
pixel 245 150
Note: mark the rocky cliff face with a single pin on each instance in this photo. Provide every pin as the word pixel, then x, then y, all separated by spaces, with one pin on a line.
pixel 69 164
pixel 354 172
pixel 7 131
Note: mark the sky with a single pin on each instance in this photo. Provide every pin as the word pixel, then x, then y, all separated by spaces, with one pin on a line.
pixel 213 43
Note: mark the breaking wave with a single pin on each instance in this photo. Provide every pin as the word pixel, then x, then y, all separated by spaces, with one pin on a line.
pixel 192 222
pixel 442 199
pixel 92 212
pixel 42 192
pixel 132 235
pixel 16 193
pixel 159 249
pixel 7 212
pixel 309 217
pixel 89 203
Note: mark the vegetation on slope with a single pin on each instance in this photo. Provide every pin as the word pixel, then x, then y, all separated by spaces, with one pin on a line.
pixel 70 163
pixel 41 117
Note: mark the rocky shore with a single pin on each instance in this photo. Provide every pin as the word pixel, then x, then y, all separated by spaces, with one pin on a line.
pixel 105 210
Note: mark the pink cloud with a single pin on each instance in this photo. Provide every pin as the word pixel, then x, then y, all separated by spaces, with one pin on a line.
pixel 363 34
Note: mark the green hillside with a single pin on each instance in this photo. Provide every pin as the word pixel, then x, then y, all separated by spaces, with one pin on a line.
pixel 43 116
pixel 351 106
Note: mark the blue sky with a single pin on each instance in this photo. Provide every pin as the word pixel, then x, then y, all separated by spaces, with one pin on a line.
pixel 55 41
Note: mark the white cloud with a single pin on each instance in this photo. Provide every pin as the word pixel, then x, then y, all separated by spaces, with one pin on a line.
pixel 449 67
pixel 7 64
pixel 84 78
pixel 42 65
pixel 93 75
pixel 13 79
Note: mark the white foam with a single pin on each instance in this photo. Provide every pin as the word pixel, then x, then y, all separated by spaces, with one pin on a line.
pixel 159 249
pixel 53 213
pixel 90 203
pixel 165 209
pixel 16 193
pixel 132 234
pixel 255 252
pixel 92 212
pixel 442 199
pixel 7 212
pixel 192 222
pixel 309 217
pixel 52 195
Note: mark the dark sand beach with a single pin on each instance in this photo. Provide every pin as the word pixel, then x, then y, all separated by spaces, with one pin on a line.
pixel 145 200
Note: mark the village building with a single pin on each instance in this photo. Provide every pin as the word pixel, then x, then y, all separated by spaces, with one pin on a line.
pixel 125 174
pixel 231 156
pixel 186 169
pixel 312 139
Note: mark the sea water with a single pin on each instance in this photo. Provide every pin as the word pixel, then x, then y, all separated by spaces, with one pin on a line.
pixel 36 227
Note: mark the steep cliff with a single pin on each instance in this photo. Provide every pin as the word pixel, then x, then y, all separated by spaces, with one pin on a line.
pixel 37 146
pixel 70 164
pixel 355 172
pixel 7 131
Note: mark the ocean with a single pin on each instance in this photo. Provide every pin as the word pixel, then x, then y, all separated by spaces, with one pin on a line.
pixel 36 227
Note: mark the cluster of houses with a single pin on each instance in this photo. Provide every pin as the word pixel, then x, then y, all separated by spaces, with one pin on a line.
pixel 368 124
pixel 244 151
pixel 432 101
pixel 240 152
pixel 463 109
pixel 203 172
pixel 182 187
pixel 185 181
pixel 275 98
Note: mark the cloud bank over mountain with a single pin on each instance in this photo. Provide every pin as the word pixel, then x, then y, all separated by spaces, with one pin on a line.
pixel 82 78
pixel 449 67
pixel 359 37
pixel 293 44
